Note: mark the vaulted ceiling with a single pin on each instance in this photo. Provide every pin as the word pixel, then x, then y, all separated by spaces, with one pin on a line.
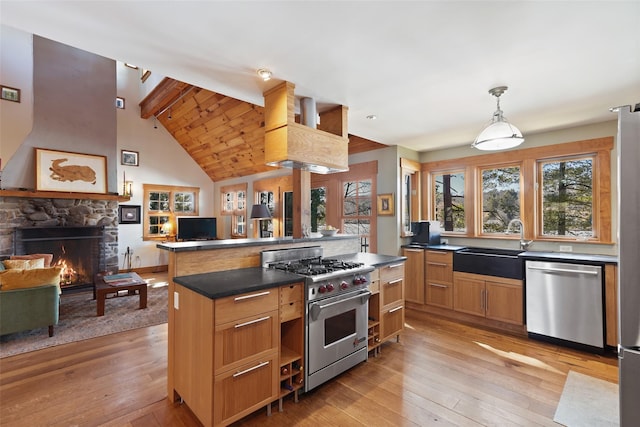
pixel 224 135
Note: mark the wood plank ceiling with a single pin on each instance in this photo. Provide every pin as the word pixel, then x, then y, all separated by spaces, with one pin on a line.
pixel 224 135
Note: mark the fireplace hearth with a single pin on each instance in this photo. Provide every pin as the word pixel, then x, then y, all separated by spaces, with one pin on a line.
pixel 80 250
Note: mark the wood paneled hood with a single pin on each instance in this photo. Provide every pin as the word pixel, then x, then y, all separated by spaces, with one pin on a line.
pixel 294 145
pixel 226 136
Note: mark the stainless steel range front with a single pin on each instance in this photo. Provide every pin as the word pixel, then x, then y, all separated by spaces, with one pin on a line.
pixel 336 310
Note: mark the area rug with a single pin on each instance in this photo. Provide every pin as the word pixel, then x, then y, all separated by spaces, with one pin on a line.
pixel 78 320
pixel 587 401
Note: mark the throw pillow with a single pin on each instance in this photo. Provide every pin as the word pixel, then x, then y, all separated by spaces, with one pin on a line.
pixel 47 258
pixel 24 264
pixel 19 279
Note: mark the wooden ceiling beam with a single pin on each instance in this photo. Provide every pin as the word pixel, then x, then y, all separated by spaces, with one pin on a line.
pixel 167 91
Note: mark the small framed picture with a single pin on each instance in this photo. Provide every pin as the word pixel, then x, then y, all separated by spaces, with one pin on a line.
pixel 386 204
pixel 120 103
pixel 129 158
pixel 129 214
pixel 10 94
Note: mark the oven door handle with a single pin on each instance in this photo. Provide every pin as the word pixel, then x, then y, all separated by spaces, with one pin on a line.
pixel 316 309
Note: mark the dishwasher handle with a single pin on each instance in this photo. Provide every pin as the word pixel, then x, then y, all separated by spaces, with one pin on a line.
pixel 563 270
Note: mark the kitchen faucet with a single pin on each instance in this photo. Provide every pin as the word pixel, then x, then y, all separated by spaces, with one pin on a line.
pixel 524 245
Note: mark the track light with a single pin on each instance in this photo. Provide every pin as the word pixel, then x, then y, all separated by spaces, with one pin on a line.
pixel 169 116
pixel 155 122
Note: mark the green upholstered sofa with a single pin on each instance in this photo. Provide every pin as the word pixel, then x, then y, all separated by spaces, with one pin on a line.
pixel 29 308
pixel 29 298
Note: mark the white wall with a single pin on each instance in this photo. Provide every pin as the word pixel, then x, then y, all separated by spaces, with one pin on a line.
pixel 16 69
pixel 162 161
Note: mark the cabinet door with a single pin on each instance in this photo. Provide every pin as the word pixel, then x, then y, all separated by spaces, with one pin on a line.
pixel 243 390
pixel 440 295
pixel 504 302
pixel 392 322
pixel 468 295
pixel 414 275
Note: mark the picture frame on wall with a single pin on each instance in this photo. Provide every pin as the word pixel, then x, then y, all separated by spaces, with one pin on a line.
pixel 70 172
pixel 129 158
pixel 386 205
pixel 10 93
pixel 129 214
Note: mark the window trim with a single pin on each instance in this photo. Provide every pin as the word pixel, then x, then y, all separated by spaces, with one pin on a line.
pixel 171 189
pixel 528 157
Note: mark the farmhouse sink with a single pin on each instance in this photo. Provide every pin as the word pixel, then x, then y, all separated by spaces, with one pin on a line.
pixel 489 262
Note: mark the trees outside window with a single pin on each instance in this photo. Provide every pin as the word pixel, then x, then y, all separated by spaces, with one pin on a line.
pixel 567 197
pixel 448 191
pixel 500 198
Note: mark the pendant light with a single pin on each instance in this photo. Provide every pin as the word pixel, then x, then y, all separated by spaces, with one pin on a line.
pixel 499 134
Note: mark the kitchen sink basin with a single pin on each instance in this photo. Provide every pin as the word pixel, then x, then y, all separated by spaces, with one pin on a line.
pixel 490 262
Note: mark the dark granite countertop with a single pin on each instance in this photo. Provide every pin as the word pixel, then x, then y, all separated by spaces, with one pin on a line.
pixel 374 260
pixel 232 243
pixel 569 257
pixel 233 282
pixel 451 248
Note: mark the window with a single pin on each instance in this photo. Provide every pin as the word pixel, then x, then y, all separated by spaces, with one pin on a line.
pixel 162 204
pixel 560 192
pixel 409 205
pixel 356 207
pixel 234 203
pixel 500 198
pixel 318 208
pixel 567 197
pixel 448 205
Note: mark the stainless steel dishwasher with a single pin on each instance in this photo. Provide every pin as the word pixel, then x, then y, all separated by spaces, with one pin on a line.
pixel 565 302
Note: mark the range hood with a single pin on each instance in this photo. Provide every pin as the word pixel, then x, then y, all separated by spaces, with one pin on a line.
pixel 293 145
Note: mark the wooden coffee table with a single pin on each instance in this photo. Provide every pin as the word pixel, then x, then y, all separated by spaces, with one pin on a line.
pixel 137 287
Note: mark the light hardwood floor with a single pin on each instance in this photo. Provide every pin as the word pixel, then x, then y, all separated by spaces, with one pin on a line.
pixel 441 373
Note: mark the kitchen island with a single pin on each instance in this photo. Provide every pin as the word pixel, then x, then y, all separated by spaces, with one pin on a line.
pixel 221 272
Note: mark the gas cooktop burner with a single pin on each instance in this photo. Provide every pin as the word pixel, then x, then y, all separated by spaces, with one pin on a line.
pixel 315 266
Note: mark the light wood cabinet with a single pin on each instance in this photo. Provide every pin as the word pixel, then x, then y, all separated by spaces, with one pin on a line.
pixel 439 278
pixel 611 304
pixel 373 333
pixel 236 354
pixel 491 297
pixel 414 275
pixel 391 301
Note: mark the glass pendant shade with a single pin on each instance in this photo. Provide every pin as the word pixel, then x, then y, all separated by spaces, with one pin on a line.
pixel 499 134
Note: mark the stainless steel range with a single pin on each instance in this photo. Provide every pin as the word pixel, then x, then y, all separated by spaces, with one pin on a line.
pixel 336 310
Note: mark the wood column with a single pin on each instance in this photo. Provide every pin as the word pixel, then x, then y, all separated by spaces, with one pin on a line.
pixel 301 202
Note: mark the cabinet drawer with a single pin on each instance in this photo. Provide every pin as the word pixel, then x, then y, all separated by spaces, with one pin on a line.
pixel 243 390
pixel 444 257
pixel 439 272
pixel 392 322
pixel 392 291
pixel 290 311
pixel 245 338
pixel 440 294
pixel 240 306
pixel 291 293
pixel 374 286
pixel 391 272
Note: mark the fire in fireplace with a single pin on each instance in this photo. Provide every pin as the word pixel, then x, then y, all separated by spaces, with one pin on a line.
pixel 79 251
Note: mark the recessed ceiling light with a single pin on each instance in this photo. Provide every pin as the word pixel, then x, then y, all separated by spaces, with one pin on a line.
pixel 264 74
pixel 372 117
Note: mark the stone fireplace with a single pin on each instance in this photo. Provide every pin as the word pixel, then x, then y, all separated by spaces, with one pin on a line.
pixel 68 228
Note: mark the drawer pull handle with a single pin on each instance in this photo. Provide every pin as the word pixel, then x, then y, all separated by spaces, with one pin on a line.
pixel 439 264
pixel 393 282
pixel 435 285
pixel 260 294
pixel 395 309
pixel 259 365
pixel 262 319
pixel 413 250
pixel 395 265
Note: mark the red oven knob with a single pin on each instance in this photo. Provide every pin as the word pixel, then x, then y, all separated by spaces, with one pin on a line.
pixel 322 289
pixel 344 285
pixel 360 280
pixel 330 287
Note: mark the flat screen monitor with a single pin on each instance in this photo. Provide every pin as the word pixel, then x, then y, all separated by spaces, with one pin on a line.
pixel 196 228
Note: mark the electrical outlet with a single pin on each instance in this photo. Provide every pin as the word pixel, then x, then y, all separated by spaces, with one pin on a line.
pixel 176 300
pixel 566 248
